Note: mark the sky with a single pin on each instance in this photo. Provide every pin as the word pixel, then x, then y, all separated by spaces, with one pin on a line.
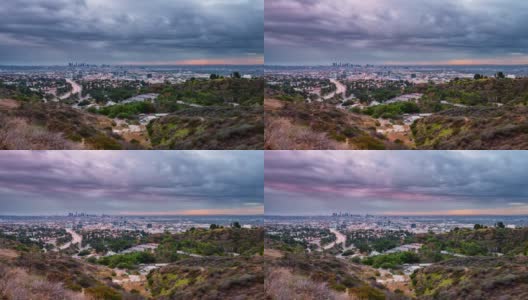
pixel 396 182
pixel 132 182
pixel 399 32
pixel 55 32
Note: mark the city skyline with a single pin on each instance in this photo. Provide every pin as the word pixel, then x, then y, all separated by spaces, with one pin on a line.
pixel 404 32
pixel 429 183
pixel 160 32
pixel 131 183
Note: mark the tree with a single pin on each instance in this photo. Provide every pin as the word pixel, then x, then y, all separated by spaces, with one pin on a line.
pixel 500 225
pixel 236 224
pixel 363 247
pixel 236 75
pixel 213 226
pixel 214 76
pixel 478 76
pixel 478 226
pixel 500 75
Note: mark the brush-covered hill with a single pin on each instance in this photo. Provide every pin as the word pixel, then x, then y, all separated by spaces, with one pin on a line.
pixel 473 278
pixel 227 264
pixel 485 241
pixel 494 117
pixel 214 92
pixel 293 273
pixel 211 242
pixel 36 125
pixel 209 278
pixel 217 263
pixel 300 126
pixel 221 113
pixel 26 273
pixel 481 92
pixel 320 276
pixel 228 114
pixel 474 128
pixel 239 128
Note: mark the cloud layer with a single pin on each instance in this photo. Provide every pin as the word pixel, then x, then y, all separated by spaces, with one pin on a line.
pixel 131 182
pixel 401 183
pixel 401 31
pixel 117 31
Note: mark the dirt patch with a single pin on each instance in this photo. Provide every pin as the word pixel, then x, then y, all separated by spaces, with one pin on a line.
pixel 273 104
pixel 141 138
pixel 396 282
pixel 7 104
pixel 8 253
pixel 273 253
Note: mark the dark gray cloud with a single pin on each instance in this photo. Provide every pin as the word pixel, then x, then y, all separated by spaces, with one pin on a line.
pixel 120 31
pixel 50 182
pixel 424 182
pixel 396 31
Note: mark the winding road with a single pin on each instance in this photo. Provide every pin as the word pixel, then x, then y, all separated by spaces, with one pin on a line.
pixel 76 239
pixel 340 239
pixel 76 89
pixel 340 89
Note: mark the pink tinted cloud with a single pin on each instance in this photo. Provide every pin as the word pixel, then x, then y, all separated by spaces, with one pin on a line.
pixel 256 60
pixel 354 192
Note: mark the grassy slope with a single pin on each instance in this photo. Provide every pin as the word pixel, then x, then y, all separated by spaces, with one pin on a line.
pixel 55 126
pixel 210 278
pixel 474 128
pixel 317 126
pixel 474 278
pixel 209 128
pixel 27 273
pixel 325 276
pixel 484 241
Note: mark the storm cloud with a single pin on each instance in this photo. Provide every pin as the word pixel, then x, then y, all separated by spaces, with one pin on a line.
pixel 133 182
pixel 130 31
pixel 396 182
pixel 396 31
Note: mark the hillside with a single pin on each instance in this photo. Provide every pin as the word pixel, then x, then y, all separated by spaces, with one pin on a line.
pixel 298 125
pixel 209 128
pixel 319 276
pixel 481 92
pixel 28 274
pixel 219 263
pixel 494 116
pixel 474 278
pixel 221 113
pixel 214 92
pixel 473 128
pixel 35 125
pixel 212 242
pixel 209 278
pixel 486 241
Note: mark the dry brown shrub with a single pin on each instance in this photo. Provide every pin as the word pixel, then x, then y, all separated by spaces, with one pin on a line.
pixel 281 134
pixel 17 134
pixel 17 284
pixel 281 284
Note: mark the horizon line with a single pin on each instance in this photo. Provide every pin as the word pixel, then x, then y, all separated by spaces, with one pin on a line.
pixel 396 65
pixel 133 65
pixel 390 215
pixel 135 215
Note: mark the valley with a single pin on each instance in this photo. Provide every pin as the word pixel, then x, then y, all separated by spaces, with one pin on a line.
pixel 104 107
pixel 401 108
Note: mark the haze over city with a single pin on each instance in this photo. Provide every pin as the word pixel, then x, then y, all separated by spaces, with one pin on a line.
pixel 404 32
pixel 160 32
pixel 395 183
pixel 131 182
